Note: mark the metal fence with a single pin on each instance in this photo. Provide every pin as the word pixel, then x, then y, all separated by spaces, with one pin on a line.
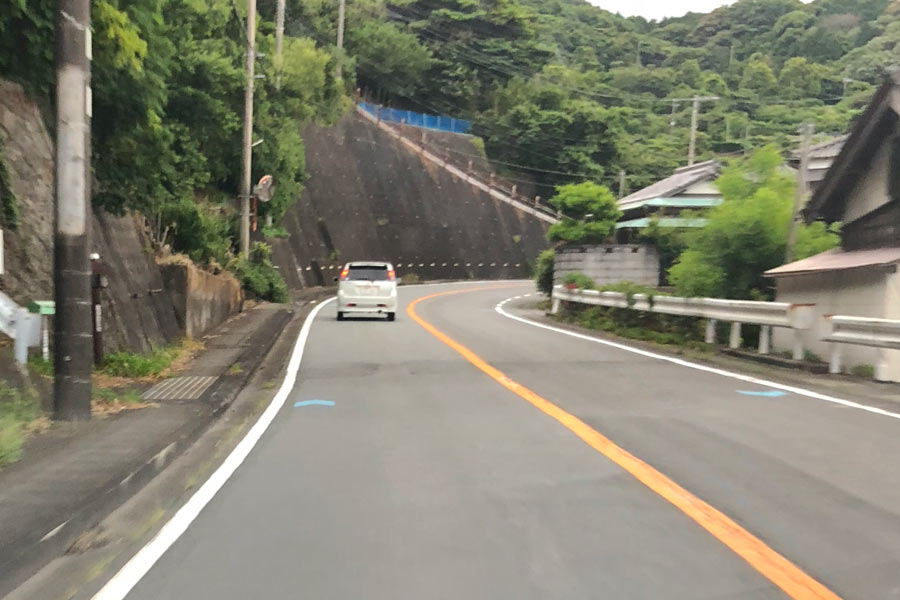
pixel 408 117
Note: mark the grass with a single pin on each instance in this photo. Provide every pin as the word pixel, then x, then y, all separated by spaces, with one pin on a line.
pixel 116 396
pixel 155 364
pixel 19 411
pixel 235 368
pixel 270 384
pixel 42 367
pixel 274 232
pixel 865 371
pixel 410 279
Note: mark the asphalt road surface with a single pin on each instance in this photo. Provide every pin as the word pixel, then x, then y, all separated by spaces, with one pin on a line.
pixel 429 479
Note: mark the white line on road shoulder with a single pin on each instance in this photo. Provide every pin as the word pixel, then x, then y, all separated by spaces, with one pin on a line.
pixel 128 576
pixel 699 367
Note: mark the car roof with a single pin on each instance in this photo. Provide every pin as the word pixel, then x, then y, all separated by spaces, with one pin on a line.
pixel 368 263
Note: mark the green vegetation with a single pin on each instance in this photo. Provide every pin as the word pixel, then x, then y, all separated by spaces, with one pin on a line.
pixel 747 234
pixel 18 409
pixel 564 91
pixel 274 232
pixel 543 271
pixel 259 276
pixel 864 371
pixel 589 214
pixel 127 364
pixel 9 206
pixel 579 281
pixel 167 78
pixel 42 367
pixel 116 395
pixel 637 325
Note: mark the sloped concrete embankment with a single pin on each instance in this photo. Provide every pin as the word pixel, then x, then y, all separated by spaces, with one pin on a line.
pixel 369 197
pixel 139 310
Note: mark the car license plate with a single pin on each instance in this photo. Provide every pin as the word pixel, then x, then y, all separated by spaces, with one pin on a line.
pixel 369 290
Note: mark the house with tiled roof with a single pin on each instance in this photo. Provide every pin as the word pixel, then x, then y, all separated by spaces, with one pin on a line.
pixel 689 188
pixel 861 190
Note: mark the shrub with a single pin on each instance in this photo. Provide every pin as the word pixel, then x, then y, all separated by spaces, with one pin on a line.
pixel 579 280
pixel 543 271
pixel 127 364
pixel 259 276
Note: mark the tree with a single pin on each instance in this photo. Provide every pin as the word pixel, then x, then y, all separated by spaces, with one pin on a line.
pixel 589 214
pixel 758 77
pixel 800 79
pixel 746 235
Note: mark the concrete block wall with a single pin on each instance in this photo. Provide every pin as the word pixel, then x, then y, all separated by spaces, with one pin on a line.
pixel 610 263
pixel 201 299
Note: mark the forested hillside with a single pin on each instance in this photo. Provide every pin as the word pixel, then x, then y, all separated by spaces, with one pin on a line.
pixel 559 90
pixel 568 91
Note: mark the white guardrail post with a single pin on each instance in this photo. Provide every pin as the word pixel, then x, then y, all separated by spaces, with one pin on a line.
pixel 862 331
pixel 798 317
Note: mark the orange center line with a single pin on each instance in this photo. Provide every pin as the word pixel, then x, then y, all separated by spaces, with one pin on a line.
pixel 772 565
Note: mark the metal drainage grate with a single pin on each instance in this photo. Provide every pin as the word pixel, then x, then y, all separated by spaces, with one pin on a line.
pixel 179 388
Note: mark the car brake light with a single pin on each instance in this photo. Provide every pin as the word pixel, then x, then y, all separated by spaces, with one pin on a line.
pixel 391 275
pixel 344 274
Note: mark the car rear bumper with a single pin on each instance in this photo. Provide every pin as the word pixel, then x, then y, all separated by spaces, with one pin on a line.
pixel 366 305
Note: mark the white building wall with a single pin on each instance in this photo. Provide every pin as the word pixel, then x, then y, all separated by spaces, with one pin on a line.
pixel 702 188
pixel 857 292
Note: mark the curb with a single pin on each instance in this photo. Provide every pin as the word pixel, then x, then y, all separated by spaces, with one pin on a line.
pixel 32 554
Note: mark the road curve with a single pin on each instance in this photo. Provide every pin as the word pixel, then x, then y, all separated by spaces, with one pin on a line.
pixel 427 478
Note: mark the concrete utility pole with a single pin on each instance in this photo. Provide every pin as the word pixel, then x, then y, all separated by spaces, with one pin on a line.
pixel 621 183
pixel 72 335
pixel 806 131
pixel 695 116
pixel 342 7
pixel 247 149
pixel 279 40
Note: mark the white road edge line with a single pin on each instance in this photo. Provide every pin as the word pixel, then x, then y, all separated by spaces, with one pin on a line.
pixel 134 570
pixel 699 367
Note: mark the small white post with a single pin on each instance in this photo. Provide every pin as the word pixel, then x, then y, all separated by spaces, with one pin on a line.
pixel 764 334
pixel 881 366
pixel 798 345
pixel 45 338
pixel 834 365
pixel 554 308
pixel 710 331
pixel 734 342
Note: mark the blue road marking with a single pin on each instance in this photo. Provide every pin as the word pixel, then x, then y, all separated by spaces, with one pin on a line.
pixel 766 394
pixel 314 403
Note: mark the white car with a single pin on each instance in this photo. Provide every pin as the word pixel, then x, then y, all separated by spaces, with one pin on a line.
pixel 367 288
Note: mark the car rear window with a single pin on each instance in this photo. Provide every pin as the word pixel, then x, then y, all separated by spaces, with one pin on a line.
pixel 373 273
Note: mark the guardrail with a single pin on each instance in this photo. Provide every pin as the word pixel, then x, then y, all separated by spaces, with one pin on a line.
pixel 798 317
pixel 861 331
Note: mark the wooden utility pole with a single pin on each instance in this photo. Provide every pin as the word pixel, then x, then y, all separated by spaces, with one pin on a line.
pixel 72 335
pixel 340 33
pixel 279 40
pixel 806 131
pixel 247 147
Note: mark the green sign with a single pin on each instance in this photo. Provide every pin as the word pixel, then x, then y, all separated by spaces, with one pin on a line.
pixel 42 307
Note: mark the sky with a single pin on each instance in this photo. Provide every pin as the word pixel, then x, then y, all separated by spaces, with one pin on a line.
pixel 658 9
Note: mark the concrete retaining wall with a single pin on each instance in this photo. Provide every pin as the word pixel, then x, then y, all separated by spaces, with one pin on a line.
pixel 202 300
pixel 369 197
pixel 609 264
